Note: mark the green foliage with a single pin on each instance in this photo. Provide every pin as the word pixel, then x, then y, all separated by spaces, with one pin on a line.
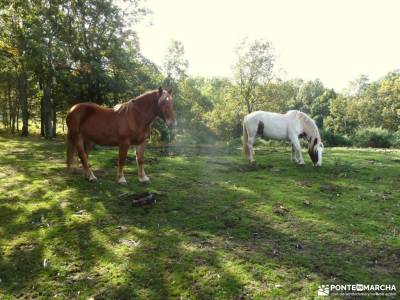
pixel 308 93
pixel 331 139
pixel 395 141
pixel 68 52
pixel 319 108
pixel 341 118
pixel 254 65
pixel 175 64
pixel 372 137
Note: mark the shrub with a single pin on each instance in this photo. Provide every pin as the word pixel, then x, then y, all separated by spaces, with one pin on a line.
pixel 372 137
pixel 334 139
pixel 396 139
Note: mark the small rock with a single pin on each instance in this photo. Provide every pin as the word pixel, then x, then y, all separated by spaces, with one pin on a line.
pixel 385 195
pixel 122 228
pixel 298 246
pixel 145 199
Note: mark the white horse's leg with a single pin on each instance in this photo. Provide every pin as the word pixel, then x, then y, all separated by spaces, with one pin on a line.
pixel 250 142
pixel 294 155
pixel 297 147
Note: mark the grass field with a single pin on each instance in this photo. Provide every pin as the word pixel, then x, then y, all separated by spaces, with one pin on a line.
pixel 220 229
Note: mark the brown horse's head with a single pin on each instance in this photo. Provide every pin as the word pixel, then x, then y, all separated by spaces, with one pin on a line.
pixel 166 107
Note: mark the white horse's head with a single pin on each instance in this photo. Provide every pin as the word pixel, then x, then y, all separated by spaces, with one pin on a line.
pixel 315 149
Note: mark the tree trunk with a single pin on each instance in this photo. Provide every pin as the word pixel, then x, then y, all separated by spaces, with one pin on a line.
pixel 248 106
pixel 12 106
pixel 23 102
pixel 18 119
pixel 54 122
pixel 42 126
pixel 5 111
pixel 48 110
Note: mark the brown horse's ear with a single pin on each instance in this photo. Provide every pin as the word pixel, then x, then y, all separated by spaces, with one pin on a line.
pixel 170 91
pixel 160 90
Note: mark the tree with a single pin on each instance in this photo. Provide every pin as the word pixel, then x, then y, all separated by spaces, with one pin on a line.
pixel 309 91
pixel 342 118
pixel 62 52
pixel 14 42
pixel 279 94
pixel 389 102
pixel 175 63
pixel 358 86
pixel 254 66
pixel 320 107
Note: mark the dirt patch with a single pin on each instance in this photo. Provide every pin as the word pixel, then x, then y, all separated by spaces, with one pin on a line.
pixel 280 210
pixel 330 188
pixel 304 183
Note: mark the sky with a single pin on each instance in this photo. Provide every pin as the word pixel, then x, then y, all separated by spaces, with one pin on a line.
pixel 333 40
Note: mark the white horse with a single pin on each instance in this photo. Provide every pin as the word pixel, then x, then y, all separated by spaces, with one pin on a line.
pixel 289 126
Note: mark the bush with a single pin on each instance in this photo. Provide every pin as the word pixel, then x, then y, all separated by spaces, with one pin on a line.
pixel 334 139
pixel 396 139
pixel 373 137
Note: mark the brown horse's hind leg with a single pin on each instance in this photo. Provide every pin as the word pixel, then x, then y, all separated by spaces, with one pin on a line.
pixel 84 160
pixel 88 146
pixel 123 150
pixel 140 163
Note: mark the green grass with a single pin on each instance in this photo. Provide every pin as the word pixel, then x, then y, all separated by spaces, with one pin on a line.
pixel 219 230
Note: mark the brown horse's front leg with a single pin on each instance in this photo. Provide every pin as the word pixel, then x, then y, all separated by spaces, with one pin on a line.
pixel 140 163
pixel 123 150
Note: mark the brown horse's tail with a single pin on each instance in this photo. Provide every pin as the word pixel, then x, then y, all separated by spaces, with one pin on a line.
pixel 246 149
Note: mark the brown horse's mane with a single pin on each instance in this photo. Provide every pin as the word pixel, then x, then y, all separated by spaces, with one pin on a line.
pixel 130 104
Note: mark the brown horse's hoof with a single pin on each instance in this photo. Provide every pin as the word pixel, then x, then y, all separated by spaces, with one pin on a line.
pixel 93 179
pixel 122 181
pixel 145 180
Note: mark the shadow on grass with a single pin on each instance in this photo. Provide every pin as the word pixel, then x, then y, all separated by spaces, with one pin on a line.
pixel 214 233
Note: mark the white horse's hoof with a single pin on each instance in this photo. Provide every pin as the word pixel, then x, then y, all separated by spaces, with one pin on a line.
pixel 144 180
pixel 93 179
pixel 122 181
pixel 301 163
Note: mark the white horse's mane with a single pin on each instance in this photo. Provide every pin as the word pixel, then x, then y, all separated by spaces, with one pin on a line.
pixel 309 126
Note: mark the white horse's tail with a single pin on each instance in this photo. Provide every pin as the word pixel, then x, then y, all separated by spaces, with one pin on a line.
pixel 246 148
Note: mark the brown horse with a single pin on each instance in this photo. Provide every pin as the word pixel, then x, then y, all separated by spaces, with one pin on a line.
pixel 124 125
